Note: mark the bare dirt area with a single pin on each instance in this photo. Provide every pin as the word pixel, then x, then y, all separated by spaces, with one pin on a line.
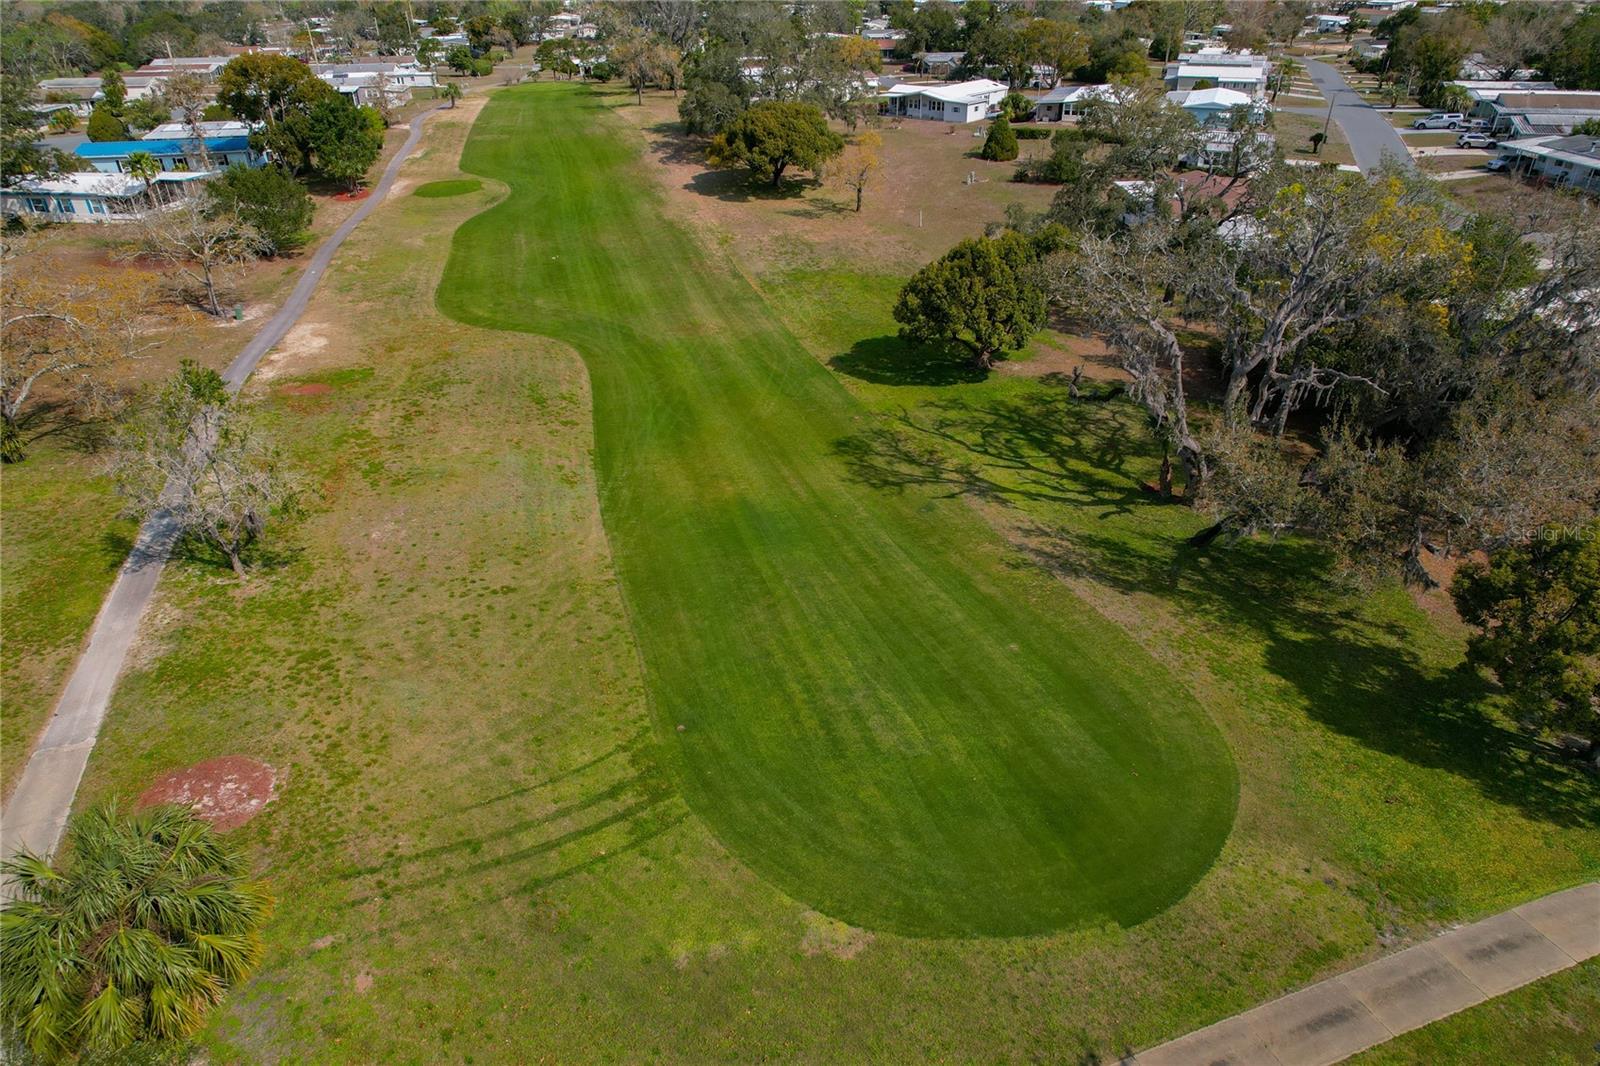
pixel 226 791
pixel 920 205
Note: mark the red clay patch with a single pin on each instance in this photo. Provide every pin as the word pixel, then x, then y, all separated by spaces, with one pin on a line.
pixel 227 792
pixel 359 194
pixel 311 388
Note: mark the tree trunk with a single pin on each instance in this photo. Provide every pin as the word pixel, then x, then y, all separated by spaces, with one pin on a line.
pixel 777 174
pixel 859 190
pixel 236 562
pixel 211 290
pixel 1166 475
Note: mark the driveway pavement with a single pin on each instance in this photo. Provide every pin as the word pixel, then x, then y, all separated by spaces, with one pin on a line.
pixel 1371 137
pixel 1333 1019
pixel 37 813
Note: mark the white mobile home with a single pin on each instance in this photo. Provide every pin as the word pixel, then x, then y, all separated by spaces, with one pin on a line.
pixel 968 101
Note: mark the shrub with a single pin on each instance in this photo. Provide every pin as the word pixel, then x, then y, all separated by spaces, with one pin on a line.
pixel 268 198
pixel 1001 144
pixel 105 126
pixel 1016 106
pixel 1031 133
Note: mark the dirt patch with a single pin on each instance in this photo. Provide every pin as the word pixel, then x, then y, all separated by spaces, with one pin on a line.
pixel 227 791
pixel 347 197
pixel 363 982
pixel 826 936
pixel 310 388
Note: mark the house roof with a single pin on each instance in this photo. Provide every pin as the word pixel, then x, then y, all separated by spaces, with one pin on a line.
pixel 1210 98
pixel 942 57
pixel 1069 94
pixel 84 184
pixel 1218 71
pixel 119 149
pixel 1584 150
pixel 168 131
pixel 74 91
pixel 1534 100
pixel 966 92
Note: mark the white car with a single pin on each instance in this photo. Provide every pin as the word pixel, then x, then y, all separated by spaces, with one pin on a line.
pixel 1498 163
pixel 1476 140
pixel 1442 120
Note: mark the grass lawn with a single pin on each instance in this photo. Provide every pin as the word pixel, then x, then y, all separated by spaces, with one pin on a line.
pixel 1552 1022
pixel 857 691
pixel 60 546
pixel 1294 137
pixel 481 845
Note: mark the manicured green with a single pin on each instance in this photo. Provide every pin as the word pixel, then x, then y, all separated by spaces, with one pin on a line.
pixel 861 692
pixel 455 187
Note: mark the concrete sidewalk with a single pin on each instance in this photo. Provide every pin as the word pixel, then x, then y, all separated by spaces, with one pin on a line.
pixel 1333 1019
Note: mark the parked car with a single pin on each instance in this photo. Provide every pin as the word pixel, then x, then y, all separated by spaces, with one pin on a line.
pixel 1441 120
pixel 1498 163
pixel 1481 124
pixel 1476 140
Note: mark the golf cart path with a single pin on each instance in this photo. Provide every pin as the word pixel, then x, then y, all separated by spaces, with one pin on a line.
pixel 1334 1019
pixel 1372 139
pixel 37 812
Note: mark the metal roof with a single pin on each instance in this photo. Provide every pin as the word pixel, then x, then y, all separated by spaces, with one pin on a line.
pixel 118 149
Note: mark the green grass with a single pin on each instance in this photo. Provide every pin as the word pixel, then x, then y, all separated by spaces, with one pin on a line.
pixel 1552 1022
pixel 456 187
pixel 862 695
pixel 480 851
pixel 59 552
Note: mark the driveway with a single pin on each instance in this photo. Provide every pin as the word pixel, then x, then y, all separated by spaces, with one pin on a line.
pixel 1371 137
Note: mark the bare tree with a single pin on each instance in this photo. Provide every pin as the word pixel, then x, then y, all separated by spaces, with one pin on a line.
pixel 67 333
pixel 199 244
pixel 1120 282
pixel 188 93
pixel 195 456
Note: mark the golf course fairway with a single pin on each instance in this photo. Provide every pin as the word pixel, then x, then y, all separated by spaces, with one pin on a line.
pixel 860 692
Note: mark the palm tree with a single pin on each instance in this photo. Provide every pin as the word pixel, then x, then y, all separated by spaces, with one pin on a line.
pixel 143 165
pixel 130 938
pixel 450 91
pixel 1287 69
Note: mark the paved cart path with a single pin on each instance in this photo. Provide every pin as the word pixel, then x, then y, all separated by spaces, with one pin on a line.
pixel 1334 1019
pixel 37 812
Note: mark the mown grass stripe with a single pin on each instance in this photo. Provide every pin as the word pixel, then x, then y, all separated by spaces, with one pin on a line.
pixel 880 711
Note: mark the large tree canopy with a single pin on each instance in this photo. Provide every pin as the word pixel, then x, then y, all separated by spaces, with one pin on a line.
pixel 773 136
pixel 983 293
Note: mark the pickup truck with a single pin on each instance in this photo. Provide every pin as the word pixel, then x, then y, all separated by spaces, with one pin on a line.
pixel 1442 120
pixel 1476 140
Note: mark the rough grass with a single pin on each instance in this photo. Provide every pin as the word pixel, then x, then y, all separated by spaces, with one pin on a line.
pixel 60 546
pixel 858 692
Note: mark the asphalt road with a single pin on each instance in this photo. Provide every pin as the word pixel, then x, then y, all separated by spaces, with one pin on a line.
pixel 1371 137
pixel 37 812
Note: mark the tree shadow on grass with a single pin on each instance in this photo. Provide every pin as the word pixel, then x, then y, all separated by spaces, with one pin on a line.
pixel 1040 446
pixel 737 186
pixel 1357 674
pixel 891 360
